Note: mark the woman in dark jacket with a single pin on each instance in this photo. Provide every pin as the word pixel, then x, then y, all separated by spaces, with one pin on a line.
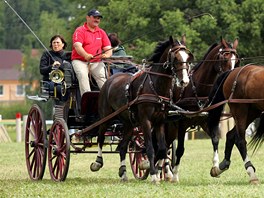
pixel 55 57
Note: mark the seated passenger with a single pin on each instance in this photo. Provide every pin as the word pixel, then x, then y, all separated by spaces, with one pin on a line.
pixel 118 49
pixel 56 57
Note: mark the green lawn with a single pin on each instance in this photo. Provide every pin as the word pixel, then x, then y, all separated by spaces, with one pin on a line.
pixel 195 180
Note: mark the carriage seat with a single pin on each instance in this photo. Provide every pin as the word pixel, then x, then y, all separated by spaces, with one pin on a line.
pixel 122 64
pixel 61 78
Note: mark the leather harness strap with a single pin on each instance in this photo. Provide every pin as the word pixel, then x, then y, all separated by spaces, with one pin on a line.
pixel 139 99
pixel 121 109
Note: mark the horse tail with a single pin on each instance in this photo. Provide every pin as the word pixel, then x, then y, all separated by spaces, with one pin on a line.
pixel 216 96
pixel 258 137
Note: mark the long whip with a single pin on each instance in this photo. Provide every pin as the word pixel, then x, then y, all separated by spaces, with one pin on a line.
pixel 29 29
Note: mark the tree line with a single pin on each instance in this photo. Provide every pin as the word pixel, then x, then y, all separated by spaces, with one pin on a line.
pixel 140 24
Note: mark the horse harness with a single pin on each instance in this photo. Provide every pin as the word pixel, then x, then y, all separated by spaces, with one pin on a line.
pixel 154 97
pixel 148 97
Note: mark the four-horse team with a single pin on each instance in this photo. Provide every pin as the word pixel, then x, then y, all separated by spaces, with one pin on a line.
pixel 132 108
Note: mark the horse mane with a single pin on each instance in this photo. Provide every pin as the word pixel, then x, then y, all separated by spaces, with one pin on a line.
pixel 208 51
pixel 159 50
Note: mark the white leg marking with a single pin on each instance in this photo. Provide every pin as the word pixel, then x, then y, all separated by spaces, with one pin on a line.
pixel 154 179
pixel 160 164
pixel 175 171
pixel 168 173
pixel 251 173
pixel 123 163
pixel 216 159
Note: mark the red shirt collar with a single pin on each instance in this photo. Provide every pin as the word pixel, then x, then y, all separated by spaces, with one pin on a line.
pixel 88 29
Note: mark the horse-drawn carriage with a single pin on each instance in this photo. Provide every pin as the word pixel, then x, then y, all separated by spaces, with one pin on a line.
pixel 149 96
pixel 72 114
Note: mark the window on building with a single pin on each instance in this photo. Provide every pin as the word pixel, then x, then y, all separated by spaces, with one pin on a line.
pixel 20 91
pixel 1 90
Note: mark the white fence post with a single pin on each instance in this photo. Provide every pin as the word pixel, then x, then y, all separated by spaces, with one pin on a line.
pixel 18 127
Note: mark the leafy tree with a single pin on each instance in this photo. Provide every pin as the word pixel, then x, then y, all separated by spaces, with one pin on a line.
pixel 46 31
pixel 136 22
pixel 140 24
pixel 252 30
pixel 2 30
pixel 15 31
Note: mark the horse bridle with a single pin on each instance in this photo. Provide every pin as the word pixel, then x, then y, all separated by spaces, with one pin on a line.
pixel 222 59
pixel 172 60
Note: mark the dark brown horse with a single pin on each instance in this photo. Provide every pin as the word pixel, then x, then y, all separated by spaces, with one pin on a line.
pixel 243 87
pixel 219 58
pixel 148 96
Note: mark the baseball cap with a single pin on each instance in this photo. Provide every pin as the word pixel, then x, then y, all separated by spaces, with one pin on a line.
pixel 95 13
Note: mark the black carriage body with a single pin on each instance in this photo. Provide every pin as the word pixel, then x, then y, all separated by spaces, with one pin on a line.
pixel 77 111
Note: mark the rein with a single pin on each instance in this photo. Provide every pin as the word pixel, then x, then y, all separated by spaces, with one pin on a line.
pixel 159 74
pixel 219 104
pixel 115 113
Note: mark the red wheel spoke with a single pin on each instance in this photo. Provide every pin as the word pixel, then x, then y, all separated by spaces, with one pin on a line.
pixel 35 135
pixel 59 150
pixel 33 161
pixel 31 132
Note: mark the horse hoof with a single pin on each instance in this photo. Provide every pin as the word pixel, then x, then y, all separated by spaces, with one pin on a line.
pixel 214 172
pixel 254 182
pixel 144 165
pixel 175 180
pixel 168 177
pixel 156 182
pixel 124 178
pixel 155 179
pixel 95 166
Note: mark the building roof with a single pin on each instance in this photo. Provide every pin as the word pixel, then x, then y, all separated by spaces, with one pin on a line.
pixel 10 60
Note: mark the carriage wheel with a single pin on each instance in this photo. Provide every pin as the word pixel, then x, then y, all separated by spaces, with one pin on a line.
pixel 136 157
pixel 59 150
pixel 35 143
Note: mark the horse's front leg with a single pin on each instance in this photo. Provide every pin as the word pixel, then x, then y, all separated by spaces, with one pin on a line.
pixel 123 145
pixel 233 138
pixel 147 131
pixel 224 165
pixel 215 142
pixel 98 164
pixel 214 135
pixel 161 153
pixel 179 154
pixel 241 144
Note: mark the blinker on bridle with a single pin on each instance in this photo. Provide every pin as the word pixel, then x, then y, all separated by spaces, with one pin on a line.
pixel 173 61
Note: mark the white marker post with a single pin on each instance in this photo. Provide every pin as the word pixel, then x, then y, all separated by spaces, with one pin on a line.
pixel 18 128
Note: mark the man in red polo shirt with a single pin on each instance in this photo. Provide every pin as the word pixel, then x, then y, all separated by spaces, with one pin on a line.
pixel 90 44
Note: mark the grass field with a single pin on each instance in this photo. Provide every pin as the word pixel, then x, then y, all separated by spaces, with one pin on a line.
pixel 195 180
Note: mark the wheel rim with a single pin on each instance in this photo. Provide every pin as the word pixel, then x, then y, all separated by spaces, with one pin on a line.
pixel 59 150
pixel 35 143
pixel 136 156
